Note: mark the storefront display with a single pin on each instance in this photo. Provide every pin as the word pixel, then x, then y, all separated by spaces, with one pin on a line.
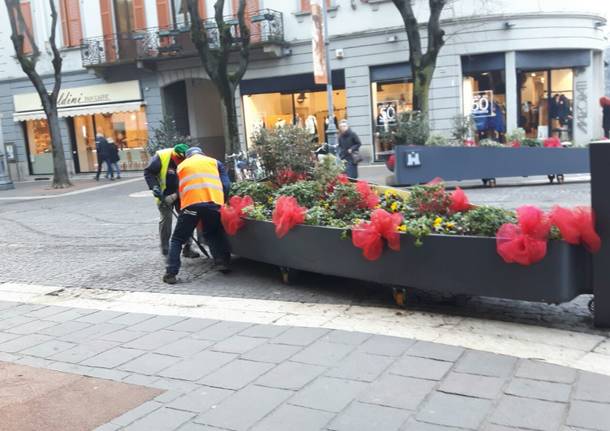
pixel 115 110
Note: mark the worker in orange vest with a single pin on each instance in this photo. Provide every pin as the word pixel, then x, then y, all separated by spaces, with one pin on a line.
pixel 203 185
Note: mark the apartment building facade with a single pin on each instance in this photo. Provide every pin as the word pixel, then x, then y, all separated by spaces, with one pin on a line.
pixel 128 63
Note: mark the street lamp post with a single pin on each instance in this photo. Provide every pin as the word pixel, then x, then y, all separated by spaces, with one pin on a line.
pixel 331 131
pixel 5 180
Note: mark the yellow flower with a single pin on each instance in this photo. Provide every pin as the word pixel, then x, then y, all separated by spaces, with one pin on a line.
pixel 450 225
pixel 438 221
pixel 377 206
pixel 394 206
pixel 402 228
pixel 270 200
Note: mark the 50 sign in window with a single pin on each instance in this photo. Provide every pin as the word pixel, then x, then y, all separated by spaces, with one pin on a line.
pixel 482 103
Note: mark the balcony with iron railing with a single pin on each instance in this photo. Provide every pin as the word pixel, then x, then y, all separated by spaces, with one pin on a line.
pixel 153 44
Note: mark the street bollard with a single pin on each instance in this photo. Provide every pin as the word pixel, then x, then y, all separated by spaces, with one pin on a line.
pixel 600 186
pixel 5 180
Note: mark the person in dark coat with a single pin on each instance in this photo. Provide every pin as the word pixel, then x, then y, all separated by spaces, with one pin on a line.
pixel 103 156
pixel 349 146
pixel 605 104
pixel 114 158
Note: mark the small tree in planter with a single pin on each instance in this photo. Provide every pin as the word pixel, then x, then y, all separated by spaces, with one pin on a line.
pixel 413 129
pixel 463 129
pixel 165 136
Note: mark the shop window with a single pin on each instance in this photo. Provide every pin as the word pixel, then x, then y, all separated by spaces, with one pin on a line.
pixel 485 100
pixel 303 109
pixel 71 22
pixel 128 130
pixel 546 100
pixel 390 99
pixel 39 146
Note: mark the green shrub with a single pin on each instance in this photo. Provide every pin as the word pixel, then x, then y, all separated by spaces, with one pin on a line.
pixel 485 221
pixel 463 128
pixel 528 142
pixel 307 193
pixel 413 129
pixel 259 191
pixel 490 143
pixel 516 135
pixel 327 169
pixel 437 140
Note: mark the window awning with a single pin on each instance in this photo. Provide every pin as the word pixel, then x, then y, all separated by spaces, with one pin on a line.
pixel 123 96
pixel 81 110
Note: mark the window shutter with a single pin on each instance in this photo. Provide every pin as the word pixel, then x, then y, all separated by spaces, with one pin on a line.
pixel 108 29
pixel 71 22
pixel 26 11
pixel 203 13
pixel 252 7
pixel 163 13
pixel 139 15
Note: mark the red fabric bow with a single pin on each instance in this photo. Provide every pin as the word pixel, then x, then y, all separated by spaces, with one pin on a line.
pixel 369 199
pixel 577 226
pixel 553 142
pixel 459 201
pixel 287 214
pixel 369 236
pixel 526 242
pixel 231 215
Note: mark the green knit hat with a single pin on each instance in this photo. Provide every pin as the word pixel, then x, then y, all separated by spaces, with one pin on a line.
pixel 181 149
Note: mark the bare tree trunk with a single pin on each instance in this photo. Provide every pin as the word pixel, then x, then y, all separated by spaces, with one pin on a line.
pixel 48 100
pixel 231 125
pixel 421 88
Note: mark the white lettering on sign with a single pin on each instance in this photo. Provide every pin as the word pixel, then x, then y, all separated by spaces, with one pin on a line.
pixel 413 159
pixel 581 106
pixel 482 103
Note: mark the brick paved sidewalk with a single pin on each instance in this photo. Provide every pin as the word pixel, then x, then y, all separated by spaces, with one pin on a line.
pixel 221 375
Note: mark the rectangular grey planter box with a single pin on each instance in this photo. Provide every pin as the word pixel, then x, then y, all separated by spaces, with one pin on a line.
pixel 454 265
pixel 419 164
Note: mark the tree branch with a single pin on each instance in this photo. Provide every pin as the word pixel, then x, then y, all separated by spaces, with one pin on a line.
pixel 412 28
pixel 435 32
pixel 244 51
pixel 57 60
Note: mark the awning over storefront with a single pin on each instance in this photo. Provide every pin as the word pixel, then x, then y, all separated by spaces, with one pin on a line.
pixel 481 63
pixel 289 84
pixel 553 59
pixel 94 99
pixel 391 72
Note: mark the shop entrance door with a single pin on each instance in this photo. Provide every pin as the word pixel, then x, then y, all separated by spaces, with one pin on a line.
pixel 72 133
pixel 545 103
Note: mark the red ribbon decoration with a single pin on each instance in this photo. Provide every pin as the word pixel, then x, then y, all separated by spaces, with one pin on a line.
pixel 369 198
pixel 369 236
pixel 459 201
pixel 577 226
pixel 231 214
pixel 287 214
pixel 526 242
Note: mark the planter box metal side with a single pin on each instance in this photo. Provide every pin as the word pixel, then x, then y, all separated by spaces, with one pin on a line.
pixel 446 264
pixel 418 165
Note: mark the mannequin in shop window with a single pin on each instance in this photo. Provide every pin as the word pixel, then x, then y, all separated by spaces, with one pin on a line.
pixel 491 125
pixel 561 114
pixel 311 125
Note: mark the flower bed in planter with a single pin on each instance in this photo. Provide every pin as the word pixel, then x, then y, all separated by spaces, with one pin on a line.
pixel 420 164
pixel 428 238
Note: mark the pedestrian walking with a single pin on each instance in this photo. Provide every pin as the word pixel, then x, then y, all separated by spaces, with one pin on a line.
pixel 162 179
pixel 203 185
pixel 114 158
pixel 349 149
pixel 605 104
pixel 102 149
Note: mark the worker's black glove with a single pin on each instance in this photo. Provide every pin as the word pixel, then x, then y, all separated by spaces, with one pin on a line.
pixel 156 191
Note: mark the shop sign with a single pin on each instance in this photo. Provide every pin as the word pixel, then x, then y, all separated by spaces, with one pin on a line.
pixel 118 92
pixel 387 112
pixel 482 103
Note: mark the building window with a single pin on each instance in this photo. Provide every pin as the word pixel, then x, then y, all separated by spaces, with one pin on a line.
pixel 307 109
pixel 390 99
pixel 28 30
pixel 305 5
pixel 545 105
pixel 128 130
pixel 485 100
pixel 39 146
pixel 71 22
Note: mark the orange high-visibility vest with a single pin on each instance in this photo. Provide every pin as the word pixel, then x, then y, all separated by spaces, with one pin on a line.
pixel 200 181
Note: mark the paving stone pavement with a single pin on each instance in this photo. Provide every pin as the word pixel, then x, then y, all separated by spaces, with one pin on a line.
pixel 220 375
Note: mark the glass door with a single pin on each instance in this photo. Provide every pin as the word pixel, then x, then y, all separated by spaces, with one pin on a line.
pixel 533 104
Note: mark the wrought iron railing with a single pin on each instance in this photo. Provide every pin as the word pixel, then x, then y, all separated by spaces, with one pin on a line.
pixel 266 27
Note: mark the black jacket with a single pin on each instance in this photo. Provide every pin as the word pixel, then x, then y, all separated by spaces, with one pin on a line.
pixel 348 141
pixel 606 118
pixel 103 148
pixel 113 153
pixel 152 171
